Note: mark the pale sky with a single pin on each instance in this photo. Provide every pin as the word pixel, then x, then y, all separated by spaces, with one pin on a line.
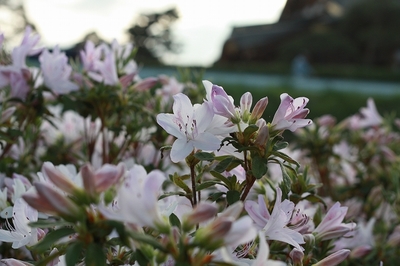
pixel 202 28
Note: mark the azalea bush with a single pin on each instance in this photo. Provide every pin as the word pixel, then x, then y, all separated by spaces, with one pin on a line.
pixel 102 167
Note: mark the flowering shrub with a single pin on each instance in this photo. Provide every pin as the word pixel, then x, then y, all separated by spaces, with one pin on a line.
pixel 102 167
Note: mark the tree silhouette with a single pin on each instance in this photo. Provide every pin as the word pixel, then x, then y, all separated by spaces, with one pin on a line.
pixel 152 36
pixel 13 19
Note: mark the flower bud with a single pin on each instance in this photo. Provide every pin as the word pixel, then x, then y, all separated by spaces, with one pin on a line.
pixel 108 175
pixel 88 179
pixel 296 256
pixel 7 113
pixel 146 84
pixel 394 238
pixel 13 262
pixel 334 258
pixel 360 251
pixel 258 110
pixel 201 213
pixel 233 210
pixel 220 227
pixel 262 137
pixel 245 105
pixel 58 178
pixel 223 104
pixel 49 200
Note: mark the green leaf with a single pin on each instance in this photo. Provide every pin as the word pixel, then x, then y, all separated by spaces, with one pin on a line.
pixel 174 220
pixel 120 228
pixel 315 199
pixel 206 184
pixel 258 166
pixel 148 240
pixel 49 224
pixel 280 145
pixel 215 196
pixel 141 258
pixel 249 131
pixel 232 196
pixel 204 156
pixel 168 194
pixel 179 182
pixel 285 157
pixel 220 177
pixel 223 165
pixel 286 183
pixel 74 253
pixel 52 238
pixel 95 255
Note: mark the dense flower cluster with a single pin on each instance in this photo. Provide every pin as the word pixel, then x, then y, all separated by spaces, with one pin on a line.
pixel 102 167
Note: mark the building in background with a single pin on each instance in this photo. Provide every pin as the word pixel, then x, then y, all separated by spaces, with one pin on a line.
pixel 326 31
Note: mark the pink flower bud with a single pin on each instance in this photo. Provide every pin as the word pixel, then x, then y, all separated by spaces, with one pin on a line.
pixel 262 137
pixel 146 84
pixel 245 105
pixel 58 178
pixel 7 113
pixel 296 256
pixel 258 109
pixel 223 104
pixel 103 178
pixel 14 262
pixel 108 175
pixel 126 80
pixel 203 212
pixel 88 179
pixel 334 258
pixel 49 200
pixel 360 251
pixel 220 227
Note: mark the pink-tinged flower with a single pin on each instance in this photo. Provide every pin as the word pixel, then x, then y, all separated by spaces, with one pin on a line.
pixel 227 227
pixel 291 113
pixel 274 225
pixel 332 225
pixel 17 74
pixel 263 254
pixel 222 103
pixel 334 259
pixel 56 71
pixel 137 201
pixel 190 124
pixel 260 260
pixel 18 84
pixel 170 87
pixel 90 55
pixel 26 48
pixel 361 243
pixel 101 179
pixel 20 233
pixel 107 69
pixel 368 117
pixel 14 262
